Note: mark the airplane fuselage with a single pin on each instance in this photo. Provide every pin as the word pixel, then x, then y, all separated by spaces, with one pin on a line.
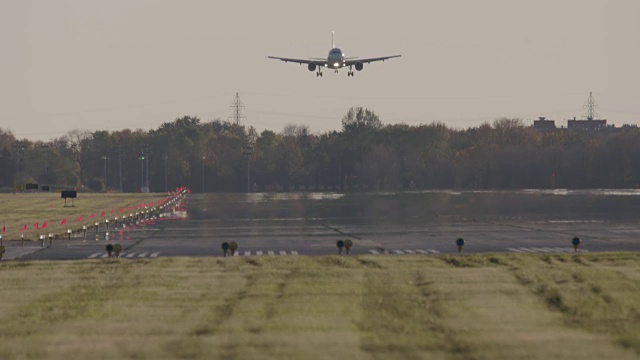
pixel 335 59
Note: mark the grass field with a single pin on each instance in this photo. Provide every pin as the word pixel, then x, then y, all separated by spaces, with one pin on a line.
pixel 505 306
pixel 16 210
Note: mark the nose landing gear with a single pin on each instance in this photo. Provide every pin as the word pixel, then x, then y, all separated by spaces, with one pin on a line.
pixel 319 73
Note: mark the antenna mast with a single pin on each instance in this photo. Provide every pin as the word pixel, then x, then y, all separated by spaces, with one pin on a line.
pixel 238 107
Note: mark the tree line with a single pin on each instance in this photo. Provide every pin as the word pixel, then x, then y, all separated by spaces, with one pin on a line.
pixel 365 154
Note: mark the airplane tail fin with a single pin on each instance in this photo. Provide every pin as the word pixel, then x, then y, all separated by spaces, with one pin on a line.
pixel 333 41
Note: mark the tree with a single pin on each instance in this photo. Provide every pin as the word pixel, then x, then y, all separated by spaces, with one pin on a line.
pixel 79 142
pixel 360 119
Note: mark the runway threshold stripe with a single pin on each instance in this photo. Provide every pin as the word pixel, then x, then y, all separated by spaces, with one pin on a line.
pixel 271 253
pixel 409 251
pixel 154 255
pixel 434 251
pixel 104 256
pixel 294 253
pixel 259 253
pixel 142 254
pixel 399 252
pixel 422 251
pixel 247 253
pixel 94 255
pixel 283 253
pixel 374 252
pixel 515 250
pixel 131 255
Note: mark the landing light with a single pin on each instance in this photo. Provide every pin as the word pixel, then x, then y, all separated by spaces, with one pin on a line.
pixel 336 64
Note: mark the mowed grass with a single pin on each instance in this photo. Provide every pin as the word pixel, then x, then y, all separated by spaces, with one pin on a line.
pixel 16 210
pixel 489 306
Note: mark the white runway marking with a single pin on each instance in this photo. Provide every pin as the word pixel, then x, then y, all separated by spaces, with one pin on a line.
pixel 270 253
pixel 94 255
pixel 544 250
pixel 142 254
pixel 104 256
pixel 130 255
pixel 405 251
pixel 154 255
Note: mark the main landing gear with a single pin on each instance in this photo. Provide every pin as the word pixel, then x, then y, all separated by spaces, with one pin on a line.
pixel 350 73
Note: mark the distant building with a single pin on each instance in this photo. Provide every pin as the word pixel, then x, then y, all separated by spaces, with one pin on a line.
pixel 543 123
pixel 589 124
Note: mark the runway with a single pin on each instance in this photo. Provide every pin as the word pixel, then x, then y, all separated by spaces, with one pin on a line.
pixel 380 224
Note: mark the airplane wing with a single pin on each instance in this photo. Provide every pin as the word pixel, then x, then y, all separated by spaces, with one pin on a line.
pixel 351 62
pixel 317 62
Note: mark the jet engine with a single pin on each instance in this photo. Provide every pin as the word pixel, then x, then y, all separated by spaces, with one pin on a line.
pixel 312 67
pixel 359 66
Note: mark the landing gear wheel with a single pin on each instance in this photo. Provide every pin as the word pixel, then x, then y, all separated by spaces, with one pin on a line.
pixel 318 74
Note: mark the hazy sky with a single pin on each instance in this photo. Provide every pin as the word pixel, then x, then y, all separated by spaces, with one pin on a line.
pixel 111 65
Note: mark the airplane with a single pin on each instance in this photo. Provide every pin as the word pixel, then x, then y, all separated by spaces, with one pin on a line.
pixel 335 60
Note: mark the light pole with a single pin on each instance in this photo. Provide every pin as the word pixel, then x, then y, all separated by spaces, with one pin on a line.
pixel 141 172
pixel 105 158
pixel 166 184
pixel 248 151
pixel 146 152
pixel 203 173
pixel 120 164
pixel 147 183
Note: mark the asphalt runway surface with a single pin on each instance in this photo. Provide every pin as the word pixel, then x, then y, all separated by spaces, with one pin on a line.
pixel 382 224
